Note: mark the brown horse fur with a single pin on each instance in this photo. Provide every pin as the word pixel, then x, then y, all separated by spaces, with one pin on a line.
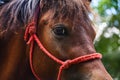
pixel 73 14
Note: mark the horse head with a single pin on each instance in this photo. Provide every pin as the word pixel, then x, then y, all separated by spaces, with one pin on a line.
pixel 66 33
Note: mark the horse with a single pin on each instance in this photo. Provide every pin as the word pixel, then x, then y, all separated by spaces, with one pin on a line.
pixel 60 36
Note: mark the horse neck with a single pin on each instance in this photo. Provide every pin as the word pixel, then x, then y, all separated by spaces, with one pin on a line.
pixel 13 58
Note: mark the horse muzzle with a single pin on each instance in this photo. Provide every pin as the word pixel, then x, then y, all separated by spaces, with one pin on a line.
pixel 90 70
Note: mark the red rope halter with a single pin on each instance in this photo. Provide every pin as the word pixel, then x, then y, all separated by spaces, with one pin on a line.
pixel 31 30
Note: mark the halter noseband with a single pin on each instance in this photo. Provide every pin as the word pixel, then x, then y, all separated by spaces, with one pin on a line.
pixel 31 30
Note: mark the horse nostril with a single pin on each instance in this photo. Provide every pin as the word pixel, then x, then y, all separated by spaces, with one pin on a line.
pixel 100 75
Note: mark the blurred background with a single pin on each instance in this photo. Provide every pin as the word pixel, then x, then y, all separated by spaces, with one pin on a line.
pixel 107 21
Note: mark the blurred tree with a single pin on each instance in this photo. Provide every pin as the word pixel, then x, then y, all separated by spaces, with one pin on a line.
pixel 111 10
pixel 109 42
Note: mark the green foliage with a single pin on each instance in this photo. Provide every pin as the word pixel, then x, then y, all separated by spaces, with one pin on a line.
pixel 110 46
pixel 115 21
pixel 108 4
pixel 111 10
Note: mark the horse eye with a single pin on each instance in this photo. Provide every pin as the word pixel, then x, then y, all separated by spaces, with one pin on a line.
pixel 60 30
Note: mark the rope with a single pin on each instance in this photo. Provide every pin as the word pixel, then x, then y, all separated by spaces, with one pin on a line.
pixel 31 30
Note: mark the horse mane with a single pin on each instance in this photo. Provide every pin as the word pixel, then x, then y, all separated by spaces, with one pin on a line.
pixel 17 13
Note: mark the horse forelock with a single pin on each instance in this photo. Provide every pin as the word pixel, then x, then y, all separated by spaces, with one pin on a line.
pixel 66 8
pixel 17 13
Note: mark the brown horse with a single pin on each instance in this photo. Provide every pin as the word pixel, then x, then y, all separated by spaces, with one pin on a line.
pixel 64 29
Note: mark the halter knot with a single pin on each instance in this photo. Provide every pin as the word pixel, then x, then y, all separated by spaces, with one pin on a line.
pixel 30 30
pixel 66 64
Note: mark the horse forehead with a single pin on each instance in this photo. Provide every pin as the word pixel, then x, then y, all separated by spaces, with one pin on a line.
pixel 77 24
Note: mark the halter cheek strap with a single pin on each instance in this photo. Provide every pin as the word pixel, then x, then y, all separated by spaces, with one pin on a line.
pixel 31 30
